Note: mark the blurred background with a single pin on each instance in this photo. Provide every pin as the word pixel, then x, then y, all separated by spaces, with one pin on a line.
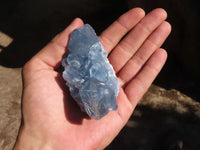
pixel 27 25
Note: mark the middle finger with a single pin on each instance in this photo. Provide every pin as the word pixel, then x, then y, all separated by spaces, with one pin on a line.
pixel 133 41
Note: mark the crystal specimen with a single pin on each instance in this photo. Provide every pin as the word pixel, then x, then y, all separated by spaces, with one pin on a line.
pixel 89 75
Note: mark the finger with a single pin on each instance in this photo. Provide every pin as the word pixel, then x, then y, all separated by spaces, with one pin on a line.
pixel 132 42
pixel 153 43
pixel 50 56
pixel 140 83
pixel 113 34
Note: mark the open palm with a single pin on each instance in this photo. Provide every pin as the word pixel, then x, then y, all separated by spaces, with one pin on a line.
pixel 52 120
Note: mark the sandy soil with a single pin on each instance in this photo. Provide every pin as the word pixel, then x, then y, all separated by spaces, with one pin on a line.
pixel 10 104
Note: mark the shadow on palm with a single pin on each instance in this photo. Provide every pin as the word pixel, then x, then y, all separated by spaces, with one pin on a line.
pixel 73 112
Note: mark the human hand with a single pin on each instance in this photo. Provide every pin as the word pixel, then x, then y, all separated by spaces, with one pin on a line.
pixel 52 120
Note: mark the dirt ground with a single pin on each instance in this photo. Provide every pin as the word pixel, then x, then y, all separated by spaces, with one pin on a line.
pixel 10 104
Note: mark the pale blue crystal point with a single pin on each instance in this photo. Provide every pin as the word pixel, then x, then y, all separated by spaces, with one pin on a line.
pixel 89 75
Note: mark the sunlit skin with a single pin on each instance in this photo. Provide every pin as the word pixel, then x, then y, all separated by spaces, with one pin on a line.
pixel 51 118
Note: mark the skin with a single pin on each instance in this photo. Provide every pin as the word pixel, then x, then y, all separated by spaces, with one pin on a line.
pixel 51 118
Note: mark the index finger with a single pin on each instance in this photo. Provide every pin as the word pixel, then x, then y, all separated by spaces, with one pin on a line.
pixel 115 32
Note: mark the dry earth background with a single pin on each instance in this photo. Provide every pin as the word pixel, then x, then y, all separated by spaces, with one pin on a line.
pixel 165 119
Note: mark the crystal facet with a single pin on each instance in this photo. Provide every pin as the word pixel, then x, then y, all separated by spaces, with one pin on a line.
pixel 89 75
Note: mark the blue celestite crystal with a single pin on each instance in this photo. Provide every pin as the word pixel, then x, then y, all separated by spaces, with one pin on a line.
pixel 89 75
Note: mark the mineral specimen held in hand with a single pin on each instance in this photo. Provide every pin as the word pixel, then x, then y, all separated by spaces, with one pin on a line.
pixel 89 75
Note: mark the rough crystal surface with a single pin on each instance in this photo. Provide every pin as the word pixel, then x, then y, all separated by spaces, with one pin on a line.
pixel 89 75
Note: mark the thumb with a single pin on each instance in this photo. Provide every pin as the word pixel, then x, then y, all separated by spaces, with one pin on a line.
pixel 50 56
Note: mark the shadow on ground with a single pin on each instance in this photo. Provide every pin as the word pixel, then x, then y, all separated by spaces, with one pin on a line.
pixel 32 23
pixel 163 120
pixel 159 130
